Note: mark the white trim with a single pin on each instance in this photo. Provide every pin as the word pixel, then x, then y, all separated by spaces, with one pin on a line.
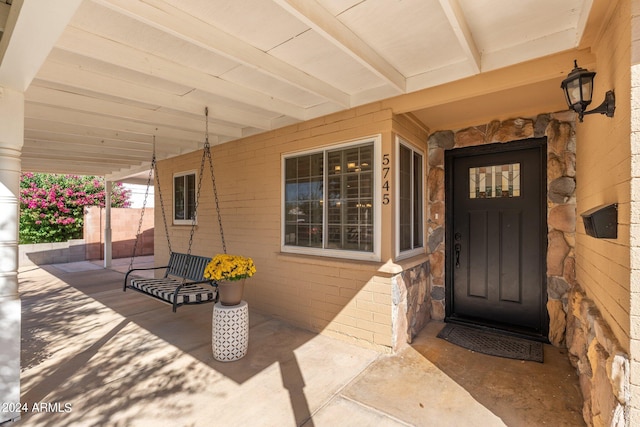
pixel 175 221
pixel 375 255
pixel 416 250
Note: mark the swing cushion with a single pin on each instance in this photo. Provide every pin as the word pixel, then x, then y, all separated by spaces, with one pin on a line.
pixel 165 288
pixel 184 274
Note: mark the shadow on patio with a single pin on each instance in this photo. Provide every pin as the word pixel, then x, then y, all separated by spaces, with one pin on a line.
pixel 103 357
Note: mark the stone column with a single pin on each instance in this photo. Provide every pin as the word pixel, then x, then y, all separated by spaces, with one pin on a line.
pixel 11 139
pixel 438 143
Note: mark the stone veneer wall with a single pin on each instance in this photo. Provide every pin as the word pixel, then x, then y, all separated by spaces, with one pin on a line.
pixel 411 301
pixel 574 320
pixel 602 365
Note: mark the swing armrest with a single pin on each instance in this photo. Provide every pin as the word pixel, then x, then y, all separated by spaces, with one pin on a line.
pixel 126 276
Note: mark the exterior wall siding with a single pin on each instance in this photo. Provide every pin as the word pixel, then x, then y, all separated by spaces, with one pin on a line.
pixel 604 168
pixel 634 309
pixel 600 331
pixel 343 298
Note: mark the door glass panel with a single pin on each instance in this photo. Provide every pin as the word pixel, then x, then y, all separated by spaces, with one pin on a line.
pixel 488 182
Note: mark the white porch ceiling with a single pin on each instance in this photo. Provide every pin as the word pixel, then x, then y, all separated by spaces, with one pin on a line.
pixel 124 71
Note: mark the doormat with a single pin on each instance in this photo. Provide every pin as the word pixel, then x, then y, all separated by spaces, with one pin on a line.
pixel 492 343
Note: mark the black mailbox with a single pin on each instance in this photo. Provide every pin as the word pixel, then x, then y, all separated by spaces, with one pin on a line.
pixel 602 221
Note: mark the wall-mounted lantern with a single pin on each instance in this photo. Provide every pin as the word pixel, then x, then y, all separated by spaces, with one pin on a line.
pixel 578 88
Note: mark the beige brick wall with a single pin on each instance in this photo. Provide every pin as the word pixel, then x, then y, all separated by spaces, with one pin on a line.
pixel 603 158
pixel 342 298
pixel 634 416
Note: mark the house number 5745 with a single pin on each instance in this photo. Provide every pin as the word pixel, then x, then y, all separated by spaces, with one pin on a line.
pixel 385 179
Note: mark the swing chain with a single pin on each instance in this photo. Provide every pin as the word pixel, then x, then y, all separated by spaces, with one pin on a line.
pixel 144 204
pixel 215 195
pixel 206 154
pixel 195 208
pixel 164 215
pixel 153 170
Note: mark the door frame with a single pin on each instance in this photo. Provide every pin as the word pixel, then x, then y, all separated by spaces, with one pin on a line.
pixel 450 156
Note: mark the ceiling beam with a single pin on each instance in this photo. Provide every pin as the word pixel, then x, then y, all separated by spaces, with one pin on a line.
pixel 594 17
pixel 118 139
pixel 528 51
pixel 587 6
pixel 53 132
pixel 69 166
pixel 97 144
pixel 80 118
pixel 45 150
pixel 61 143
pixel 124 174
pixel 549 67
pixel 170 19
pixel 458 23
pixel 40 124
pixel 4 16
pixel 102 151
pixel 32 28
pixel 56 157
pixel 93 46
pixel 87 81
pixel 87 104
pixel 323 22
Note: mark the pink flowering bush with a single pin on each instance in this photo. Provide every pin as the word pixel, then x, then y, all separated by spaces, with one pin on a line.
pixel 52 206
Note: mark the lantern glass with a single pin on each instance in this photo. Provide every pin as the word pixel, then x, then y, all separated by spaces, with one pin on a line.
pixel 587 88
pixel 579 91
pixel 572 92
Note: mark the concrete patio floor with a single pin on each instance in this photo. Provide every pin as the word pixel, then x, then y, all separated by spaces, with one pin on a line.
pixel 109 358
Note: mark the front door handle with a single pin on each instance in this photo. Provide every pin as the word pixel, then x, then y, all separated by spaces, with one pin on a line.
pixel 458 248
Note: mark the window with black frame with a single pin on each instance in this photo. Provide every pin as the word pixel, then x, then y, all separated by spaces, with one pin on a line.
pixel 184 198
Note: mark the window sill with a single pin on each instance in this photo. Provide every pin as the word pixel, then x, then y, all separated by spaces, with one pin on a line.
pixel 183 223
pixel 332 253
pixel 326 261
pixel 400 265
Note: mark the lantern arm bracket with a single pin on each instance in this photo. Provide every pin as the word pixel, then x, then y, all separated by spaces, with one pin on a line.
pixel 607 107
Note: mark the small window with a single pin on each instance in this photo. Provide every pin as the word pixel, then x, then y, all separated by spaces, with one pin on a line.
pixel 490 182
pixel 184 198
pixel 329 204
pixel 410 199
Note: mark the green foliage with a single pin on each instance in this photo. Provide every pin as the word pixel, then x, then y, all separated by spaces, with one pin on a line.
pixel 52 206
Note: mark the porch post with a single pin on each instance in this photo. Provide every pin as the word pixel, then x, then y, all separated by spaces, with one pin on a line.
pixel 11 139
pixel 107 224
pixel 29 33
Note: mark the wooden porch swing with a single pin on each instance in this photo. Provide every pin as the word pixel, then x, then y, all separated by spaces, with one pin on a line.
pixel 183 282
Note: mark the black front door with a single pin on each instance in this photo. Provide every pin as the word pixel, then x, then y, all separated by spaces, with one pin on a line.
pixel 496 236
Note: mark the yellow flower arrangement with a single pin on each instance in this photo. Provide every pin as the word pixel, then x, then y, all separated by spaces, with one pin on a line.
pixel 229 267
